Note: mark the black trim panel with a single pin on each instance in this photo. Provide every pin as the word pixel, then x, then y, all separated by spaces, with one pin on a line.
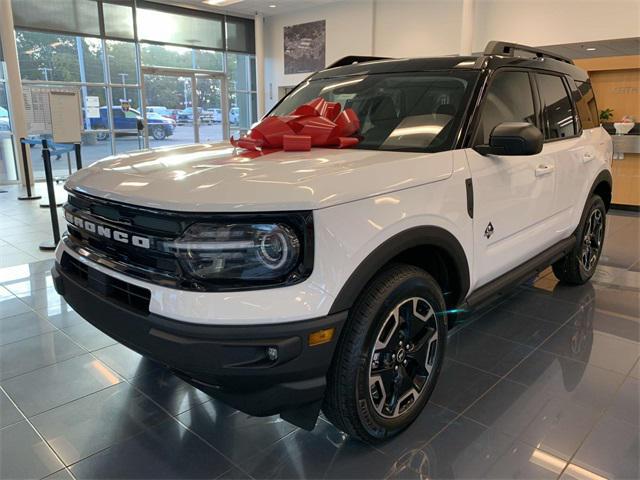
pixel 426 237
pixel 469 184
pixel 227 362
pixel 518 275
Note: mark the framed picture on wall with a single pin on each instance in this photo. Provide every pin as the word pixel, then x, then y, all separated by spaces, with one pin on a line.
pixel 304 47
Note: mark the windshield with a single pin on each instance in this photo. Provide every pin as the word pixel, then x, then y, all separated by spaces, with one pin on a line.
pixel 414 111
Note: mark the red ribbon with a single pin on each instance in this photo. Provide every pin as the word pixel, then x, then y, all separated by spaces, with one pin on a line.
pixel 315 124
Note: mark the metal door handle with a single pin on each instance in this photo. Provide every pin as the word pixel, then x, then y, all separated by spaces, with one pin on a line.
pixel 542 170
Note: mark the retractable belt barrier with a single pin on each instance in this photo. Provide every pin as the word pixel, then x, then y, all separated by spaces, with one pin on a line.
pixel 25 165
pixel 48 172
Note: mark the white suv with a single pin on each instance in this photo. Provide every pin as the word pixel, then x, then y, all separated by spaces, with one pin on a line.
pixel 283 282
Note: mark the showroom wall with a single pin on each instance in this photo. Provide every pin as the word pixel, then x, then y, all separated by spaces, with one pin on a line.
pixel 402 28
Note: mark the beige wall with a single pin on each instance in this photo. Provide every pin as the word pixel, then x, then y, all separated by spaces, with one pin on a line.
pixel 552 22
pixel 616 83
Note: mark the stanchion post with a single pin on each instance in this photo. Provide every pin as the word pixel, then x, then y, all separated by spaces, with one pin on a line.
pixel 76 148
pixel 46 158
pixel 27 177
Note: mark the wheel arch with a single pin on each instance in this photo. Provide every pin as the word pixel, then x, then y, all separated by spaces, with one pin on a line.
pixel 429 247
pixel 602 186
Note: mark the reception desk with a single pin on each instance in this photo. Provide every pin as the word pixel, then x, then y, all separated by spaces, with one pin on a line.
pixel 616 83
pixel 626 170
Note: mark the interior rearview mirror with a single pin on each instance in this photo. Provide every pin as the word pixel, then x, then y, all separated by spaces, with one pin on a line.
pixel 513 138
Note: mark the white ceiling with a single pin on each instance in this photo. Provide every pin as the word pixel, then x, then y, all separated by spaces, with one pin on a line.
pixel 250 7
pixel 603 48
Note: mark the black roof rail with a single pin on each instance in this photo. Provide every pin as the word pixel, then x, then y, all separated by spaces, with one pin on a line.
pixel 351 59
pixel 509 50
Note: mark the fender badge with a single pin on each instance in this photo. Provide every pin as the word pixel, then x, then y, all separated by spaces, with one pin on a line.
pixel 489 230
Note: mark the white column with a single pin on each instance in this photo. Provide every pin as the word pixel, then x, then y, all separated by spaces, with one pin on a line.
pixel 16 103
pixel 466 32
pixel 260 86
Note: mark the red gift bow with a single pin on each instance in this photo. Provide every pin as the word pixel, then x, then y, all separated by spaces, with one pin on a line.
pixel 315 124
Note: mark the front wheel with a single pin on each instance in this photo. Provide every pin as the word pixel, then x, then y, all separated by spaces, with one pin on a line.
pixel 159 133
pixel 389 355
pixel 579 265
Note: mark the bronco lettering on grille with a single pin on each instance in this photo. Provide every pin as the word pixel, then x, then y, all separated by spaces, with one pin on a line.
pixel 107 232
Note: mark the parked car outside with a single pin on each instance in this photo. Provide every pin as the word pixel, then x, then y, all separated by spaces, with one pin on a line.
pixel 159 127
pixel 164 111
pixel 186 116
pixel 216 114
pixel 234 115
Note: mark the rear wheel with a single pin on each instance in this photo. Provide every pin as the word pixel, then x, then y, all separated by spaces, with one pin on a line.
pixel 389 356
pixel 579 265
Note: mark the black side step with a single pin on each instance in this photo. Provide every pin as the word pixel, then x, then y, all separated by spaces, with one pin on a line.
pixel 518 275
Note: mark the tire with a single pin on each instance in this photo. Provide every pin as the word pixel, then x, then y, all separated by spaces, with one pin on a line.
pixel 100 136
pixel 577 267
pixel 399 300
pixel 158 133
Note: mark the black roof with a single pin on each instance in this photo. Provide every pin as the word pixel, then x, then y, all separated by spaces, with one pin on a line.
pixel 490 60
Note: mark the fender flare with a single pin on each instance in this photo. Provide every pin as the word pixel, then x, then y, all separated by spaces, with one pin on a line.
pixel 603 176
pixel 427 236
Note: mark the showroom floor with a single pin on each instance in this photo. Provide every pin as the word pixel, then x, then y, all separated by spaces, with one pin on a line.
pixel 544 384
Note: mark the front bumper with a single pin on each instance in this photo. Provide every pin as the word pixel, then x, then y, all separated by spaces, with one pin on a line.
pixel 229 363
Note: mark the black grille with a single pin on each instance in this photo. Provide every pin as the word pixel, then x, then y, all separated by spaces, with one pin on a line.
pixel 156 263
pixel 133 297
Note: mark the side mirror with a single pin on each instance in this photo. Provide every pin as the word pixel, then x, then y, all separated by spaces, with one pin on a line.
pixel 513 138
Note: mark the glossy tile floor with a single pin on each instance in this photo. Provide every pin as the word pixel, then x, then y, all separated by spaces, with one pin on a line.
pixel 544 384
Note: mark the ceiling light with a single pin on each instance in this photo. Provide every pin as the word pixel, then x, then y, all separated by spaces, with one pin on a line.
pixel 590 49
pixel 272 6
pixel 221 3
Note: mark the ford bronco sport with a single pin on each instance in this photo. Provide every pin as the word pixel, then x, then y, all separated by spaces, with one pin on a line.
pixel 286 282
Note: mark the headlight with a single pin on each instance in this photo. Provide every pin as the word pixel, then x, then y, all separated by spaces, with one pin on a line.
pixel 234 253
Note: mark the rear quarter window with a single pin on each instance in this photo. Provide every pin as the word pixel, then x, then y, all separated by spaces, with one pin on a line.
pixel 585 102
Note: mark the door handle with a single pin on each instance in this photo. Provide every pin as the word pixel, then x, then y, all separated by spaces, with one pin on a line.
pixel 587 157
pixel 542 170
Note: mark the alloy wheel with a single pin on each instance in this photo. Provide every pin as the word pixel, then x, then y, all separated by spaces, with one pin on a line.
pixel 592 240
pixel 403 357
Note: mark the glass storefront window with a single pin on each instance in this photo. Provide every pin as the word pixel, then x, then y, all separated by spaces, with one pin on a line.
pixel 189 29
pixel 8 166
pixel 8 169
pixel 122 62
pixel 118 20
pixel 181 57
pixel 55 57
pixel 5 121
pixel 68 52
pixel 240 73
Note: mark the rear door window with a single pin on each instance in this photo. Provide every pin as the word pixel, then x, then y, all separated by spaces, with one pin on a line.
pixel 557 111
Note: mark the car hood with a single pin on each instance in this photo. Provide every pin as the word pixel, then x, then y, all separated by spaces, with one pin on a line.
pixel 218 178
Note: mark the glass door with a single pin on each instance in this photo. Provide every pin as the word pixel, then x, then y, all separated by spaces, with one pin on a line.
pixel 213 119
pixel 184 106
pixel 168 109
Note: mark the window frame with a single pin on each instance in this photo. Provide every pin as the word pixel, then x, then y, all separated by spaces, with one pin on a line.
pixel 537 110
pixel 577 125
